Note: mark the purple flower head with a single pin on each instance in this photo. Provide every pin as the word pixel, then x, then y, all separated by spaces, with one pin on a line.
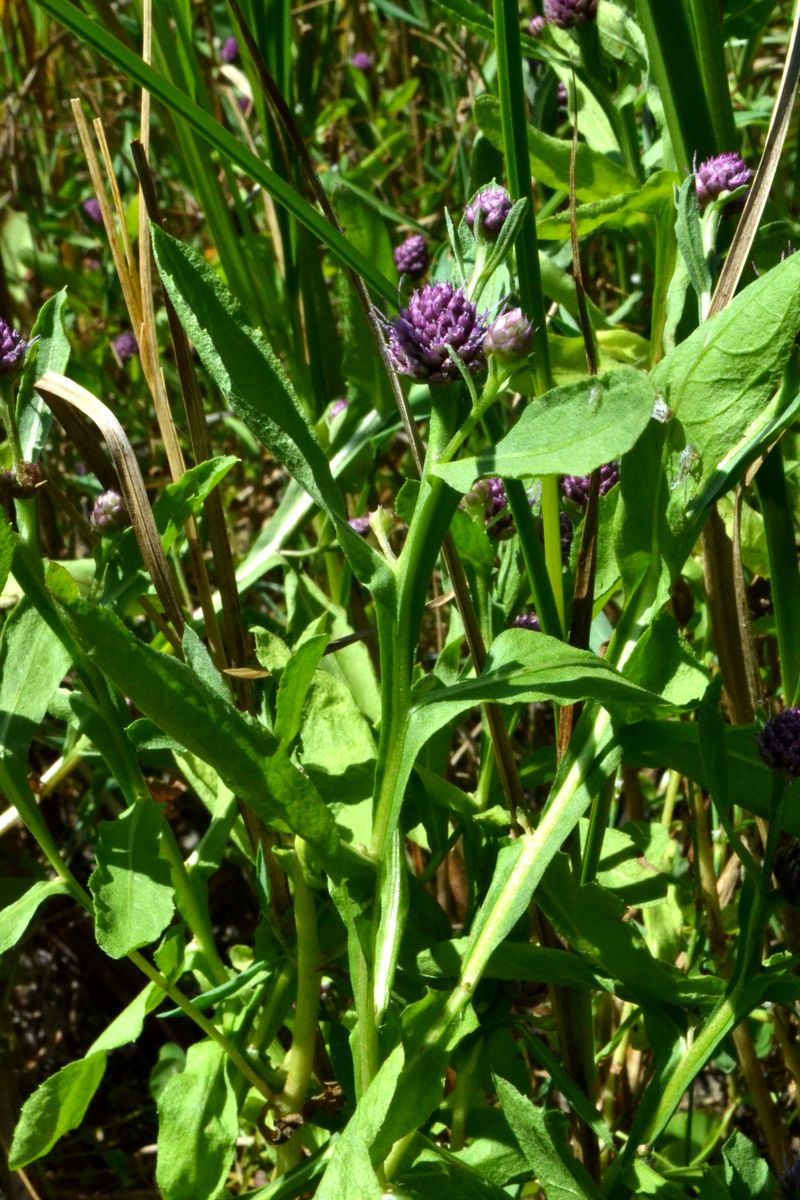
pixel 576 487
pixel 723 173
pixel 786 870
pixel 230 50
pixel 108 512
pixel 360 525
pixel 510 336
pixel 568 13
pixel 363 61
pixel 125 345
pixel 12 349
pixel 526 621
pixel 790 1180
pixel 494 205
pixel 411 256
pixel 496 514
pixel 536 26
pixel 91 208
pixel 779 742
pixel 438 318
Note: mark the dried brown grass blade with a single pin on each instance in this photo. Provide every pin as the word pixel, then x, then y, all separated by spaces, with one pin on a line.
pixel 61 393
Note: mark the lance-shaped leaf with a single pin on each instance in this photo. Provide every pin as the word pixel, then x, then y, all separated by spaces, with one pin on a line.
pixel 245 755
pixel 252 380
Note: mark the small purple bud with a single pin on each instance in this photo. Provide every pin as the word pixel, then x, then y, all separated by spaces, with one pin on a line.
pixel 360 525
pixel 363 61
pixel 779 742
pixel 526 621
pixel 723 173
pixel 562 95
pixel 438 318
pixel 125 345
pixel 510 336
pixel 91 208
pixel 536 26
pixel 496 513
pixel 576 487
pixel 243 103
pixel 230 50
pixel 411 256
pixel 336 407
pixel 568 13
pixel 12 349
pixel 109 512
pixel 494 204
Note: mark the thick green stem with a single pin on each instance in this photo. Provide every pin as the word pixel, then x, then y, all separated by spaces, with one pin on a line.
pixel 784 575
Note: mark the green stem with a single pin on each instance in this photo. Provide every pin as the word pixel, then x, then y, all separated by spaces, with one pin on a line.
pixel 552 543
pixel 304 1030
pixel 784 575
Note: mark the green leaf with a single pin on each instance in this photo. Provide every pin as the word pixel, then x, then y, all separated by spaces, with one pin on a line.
pixel 253 382
pixel 293 688
pixel 719 383
pixel 512 961
pixel 6 550
pixel 131 887
pixel 15 918
pixel 615 212
pixel 567 431
pixel 596 177
pixel 664 663
pixel 32 664
pixel 57 1106
pixel 542 1137
pixel 244 754
pixel 197 1127
pixel 350 1172
pixel 746 1172
pixel 689 235
pixel 50 353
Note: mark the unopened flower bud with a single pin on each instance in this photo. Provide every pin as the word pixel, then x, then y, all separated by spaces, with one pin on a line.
pixel 360 525
pixel 109 512
pixel 536 26
pixel 125 345
pixel 510 336
pixel 493 204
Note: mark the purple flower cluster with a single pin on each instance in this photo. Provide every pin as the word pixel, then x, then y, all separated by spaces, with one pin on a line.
pixel 723 173
pixel 360 525
pixel 439 318
pixel 536 26
pixel 230 50
pixel 411 256
pixel 496 514
pixel 576 487
pixel 526 621
pixel 779 742
pixel 786 870
pixel 363 61
pixel 91 208
pixel 108 512
pixel 12 348
pixel 125 345
pixel 494 205
pixel 568 13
